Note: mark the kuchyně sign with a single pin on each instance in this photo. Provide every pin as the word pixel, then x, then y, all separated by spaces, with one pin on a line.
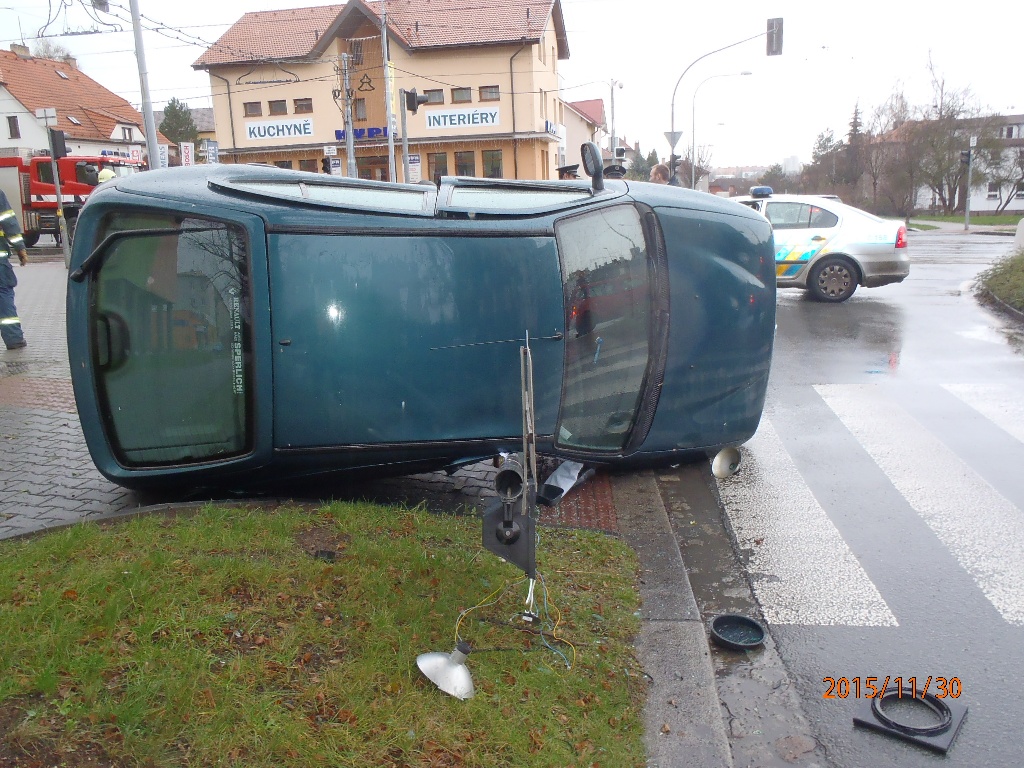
pixel 262 130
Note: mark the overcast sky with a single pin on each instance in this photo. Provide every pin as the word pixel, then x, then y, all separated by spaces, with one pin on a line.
pixel 835 56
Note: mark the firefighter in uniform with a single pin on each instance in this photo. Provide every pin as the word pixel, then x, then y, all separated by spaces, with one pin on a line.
pixel 11 243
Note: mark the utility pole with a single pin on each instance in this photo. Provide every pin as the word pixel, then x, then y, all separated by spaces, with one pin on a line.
pixel 387 96
pixel 350 143
pixel 612 147
pixel 147 104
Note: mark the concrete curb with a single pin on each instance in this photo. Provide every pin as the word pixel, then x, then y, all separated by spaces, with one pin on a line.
pixel 682 717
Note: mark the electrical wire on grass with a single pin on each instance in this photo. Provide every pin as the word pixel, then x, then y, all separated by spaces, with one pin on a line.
pixel 545 626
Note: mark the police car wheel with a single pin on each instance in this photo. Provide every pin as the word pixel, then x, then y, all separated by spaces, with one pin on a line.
pixel 832 280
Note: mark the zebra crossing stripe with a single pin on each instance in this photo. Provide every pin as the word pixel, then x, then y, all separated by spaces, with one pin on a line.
pixel 801 569
pixel 983 530
pixel 1000 405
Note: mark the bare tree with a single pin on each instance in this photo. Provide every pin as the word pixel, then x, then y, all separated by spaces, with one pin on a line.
pixel 47 49
pixel 686 171
pixel 1003 167
pixel 882 140
pixel 944 132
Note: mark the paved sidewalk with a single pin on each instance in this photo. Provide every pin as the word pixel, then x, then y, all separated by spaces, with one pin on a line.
pixel 47 479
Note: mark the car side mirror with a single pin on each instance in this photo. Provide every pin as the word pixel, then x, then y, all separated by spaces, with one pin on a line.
pixel 593 164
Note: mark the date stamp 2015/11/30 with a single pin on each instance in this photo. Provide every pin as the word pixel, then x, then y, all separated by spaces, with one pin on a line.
pixel 872 687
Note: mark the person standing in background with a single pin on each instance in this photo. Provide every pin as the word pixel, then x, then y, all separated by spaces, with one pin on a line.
pixel 11 243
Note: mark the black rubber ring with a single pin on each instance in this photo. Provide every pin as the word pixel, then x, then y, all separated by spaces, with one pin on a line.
pixel 936 705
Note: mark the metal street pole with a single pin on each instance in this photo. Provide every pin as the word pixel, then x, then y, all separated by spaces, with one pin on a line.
pixel 699 58
pixel 967 202
pixel 147 104
pixel 350 142
pixel 405 137
pixel 62 226
pixel 693 125
pixel 387 96
pixel 612 147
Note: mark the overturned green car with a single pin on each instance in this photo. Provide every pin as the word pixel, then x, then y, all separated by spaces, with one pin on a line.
pixel 239 325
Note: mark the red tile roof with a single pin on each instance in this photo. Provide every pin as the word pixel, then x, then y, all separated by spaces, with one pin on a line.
pixel 36 84
pixel 416 25
pixel 592 109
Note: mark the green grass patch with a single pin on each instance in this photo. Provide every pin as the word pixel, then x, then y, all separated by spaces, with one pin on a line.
pixel 922 227
pixel 1005 280
pixel 220 638
pixel 1006 220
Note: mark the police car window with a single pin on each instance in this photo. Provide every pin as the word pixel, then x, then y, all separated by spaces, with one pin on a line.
pixel 823 219
pixel 787 215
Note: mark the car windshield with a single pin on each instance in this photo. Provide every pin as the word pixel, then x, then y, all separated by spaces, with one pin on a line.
pixel 608 308
pixel 171 340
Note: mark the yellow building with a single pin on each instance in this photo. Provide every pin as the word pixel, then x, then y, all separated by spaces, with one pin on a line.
pixel 489 70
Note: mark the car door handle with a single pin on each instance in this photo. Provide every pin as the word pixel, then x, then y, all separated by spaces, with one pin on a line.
pixel 818 237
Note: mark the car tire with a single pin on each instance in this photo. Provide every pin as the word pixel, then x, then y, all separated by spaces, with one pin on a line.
pixel 833 280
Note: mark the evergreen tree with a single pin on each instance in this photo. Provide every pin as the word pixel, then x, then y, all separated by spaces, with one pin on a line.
pixel 178 125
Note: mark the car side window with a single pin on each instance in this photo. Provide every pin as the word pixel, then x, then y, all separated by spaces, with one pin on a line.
pixel 822 219
pixel 787 215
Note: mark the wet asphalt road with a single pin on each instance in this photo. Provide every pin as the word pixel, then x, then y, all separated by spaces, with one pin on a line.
pixel 879 511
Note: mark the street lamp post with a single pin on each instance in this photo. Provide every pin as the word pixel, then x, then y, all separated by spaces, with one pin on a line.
pixel 612 147
pixel 673 136
pixel 693 125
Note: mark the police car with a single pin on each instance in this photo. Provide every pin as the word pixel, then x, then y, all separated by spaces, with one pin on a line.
pixel 829 248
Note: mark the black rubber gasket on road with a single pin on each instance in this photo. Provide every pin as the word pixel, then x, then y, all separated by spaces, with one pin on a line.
pixel 938 737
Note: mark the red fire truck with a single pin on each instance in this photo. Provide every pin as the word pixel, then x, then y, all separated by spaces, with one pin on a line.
pixel 31 192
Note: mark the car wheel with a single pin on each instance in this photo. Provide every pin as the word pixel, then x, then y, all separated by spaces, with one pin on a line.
pixel 833 279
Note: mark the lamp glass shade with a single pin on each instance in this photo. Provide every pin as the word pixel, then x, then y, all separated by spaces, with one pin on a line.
pixel 448 671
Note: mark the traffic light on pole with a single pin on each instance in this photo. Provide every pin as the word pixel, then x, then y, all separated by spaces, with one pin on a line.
pixel 413 100
pixel 965 156
pixel 58 145
pixel 325 164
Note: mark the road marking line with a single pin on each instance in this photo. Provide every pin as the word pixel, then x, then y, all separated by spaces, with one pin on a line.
pixel 800 567
pixel 983 530
pixel 999 404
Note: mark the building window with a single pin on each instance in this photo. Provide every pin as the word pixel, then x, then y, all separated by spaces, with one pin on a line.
pixel 541 47
pixel 492 163
pixel 126 134
pixel 489 93
pixel 283 164
pixel 74 120
pixel 309 165
pixel 279 107
pixel 359 109
pixel 13 128
pixel 993 190
pixel 355 47
pixel 553 58
pixel 437 165
pixel 252 109
pixel 465 164
pixel 543 104
pixel 462 95
pixel 435 96
pixel 303 106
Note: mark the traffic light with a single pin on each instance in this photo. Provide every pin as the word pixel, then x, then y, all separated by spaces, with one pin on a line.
pixel 413 100
pixel 774 37
pixel 57 144
pixel 965 156
pixel 325 164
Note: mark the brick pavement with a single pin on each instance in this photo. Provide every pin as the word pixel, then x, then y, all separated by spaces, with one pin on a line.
pixel 47 477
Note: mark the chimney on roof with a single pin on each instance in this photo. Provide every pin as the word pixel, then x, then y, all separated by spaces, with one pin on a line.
pixel 70 60
pixel 21 50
